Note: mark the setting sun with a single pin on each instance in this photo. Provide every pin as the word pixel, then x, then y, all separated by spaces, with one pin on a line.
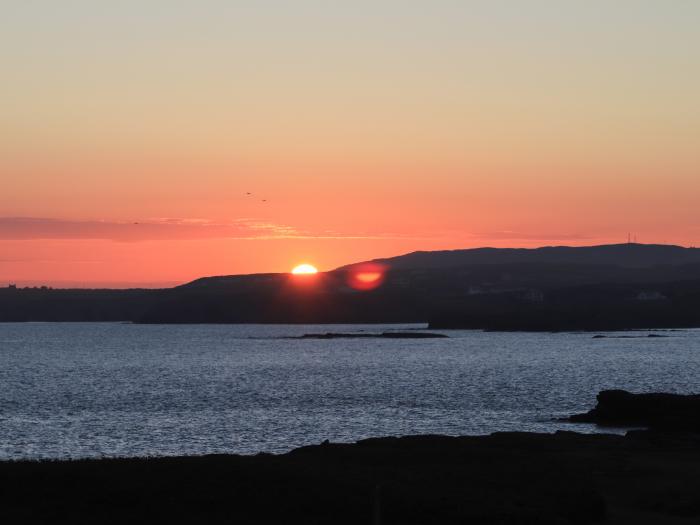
pixel 304 269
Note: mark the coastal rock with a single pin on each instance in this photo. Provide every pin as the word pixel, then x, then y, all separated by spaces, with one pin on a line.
pixel 384 335
pixel 673 412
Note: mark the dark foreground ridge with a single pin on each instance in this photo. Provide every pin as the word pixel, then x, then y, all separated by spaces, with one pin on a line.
pixel 667 412
pixel 507 478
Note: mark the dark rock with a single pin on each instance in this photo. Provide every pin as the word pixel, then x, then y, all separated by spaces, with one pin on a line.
pixel 412 335
pixel 600 336
pixel 658 411
pixel 386 335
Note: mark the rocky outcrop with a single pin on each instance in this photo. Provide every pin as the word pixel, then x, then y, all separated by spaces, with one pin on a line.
pixel 672 412
pixel 383 335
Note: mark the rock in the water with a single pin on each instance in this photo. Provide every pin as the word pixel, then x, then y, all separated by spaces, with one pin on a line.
pixel 386 335
pixel 658 411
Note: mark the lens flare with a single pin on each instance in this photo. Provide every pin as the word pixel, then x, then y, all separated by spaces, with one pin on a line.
pixel 367 276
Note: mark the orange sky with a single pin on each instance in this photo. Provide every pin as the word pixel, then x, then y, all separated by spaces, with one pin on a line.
pixel 368 130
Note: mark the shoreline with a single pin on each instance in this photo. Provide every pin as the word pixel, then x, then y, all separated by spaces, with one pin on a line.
pixel 516 477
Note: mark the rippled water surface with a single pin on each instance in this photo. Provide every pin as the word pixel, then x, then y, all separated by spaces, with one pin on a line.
pixel 75 390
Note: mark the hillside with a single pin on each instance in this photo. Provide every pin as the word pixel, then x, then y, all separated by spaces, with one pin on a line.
pixel 630 255
pixel 557 288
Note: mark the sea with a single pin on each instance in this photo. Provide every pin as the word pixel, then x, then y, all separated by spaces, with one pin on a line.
pixel 79 390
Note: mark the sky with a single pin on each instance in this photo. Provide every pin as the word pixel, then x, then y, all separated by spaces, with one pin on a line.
pixel 154 142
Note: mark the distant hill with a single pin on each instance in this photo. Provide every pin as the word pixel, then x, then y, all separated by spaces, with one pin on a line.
pixel 629 255
pixel 551 288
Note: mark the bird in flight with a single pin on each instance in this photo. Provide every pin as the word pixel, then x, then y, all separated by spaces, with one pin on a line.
pixel 250 194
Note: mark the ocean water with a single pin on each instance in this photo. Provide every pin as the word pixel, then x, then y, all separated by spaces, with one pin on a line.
pixel 108 389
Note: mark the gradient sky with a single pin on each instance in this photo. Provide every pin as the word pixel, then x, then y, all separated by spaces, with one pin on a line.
pixel 131 132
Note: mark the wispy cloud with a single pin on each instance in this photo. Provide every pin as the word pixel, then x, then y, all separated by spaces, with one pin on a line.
pixel 162 228
pixel 33 228
pixel 245 228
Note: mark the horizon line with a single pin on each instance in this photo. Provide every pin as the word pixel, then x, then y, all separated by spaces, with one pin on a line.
pixel 70 284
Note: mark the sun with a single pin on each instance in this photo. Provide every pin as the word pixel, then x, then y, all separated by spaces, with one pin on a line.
pixel 304 269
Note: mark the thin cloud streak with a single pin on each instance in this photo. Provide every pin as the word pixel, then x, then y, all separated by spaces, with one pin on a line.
pixel 246 228
pixel 161 229
pixel 33 228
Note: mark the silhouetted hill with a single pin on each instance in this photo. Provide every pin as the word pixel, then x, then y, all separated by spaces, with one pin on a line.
pixel 559 288
pixel 630 255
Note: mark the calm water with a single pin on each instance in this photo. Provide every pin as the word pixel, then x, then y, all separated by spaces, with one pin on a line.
pixel 73 390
